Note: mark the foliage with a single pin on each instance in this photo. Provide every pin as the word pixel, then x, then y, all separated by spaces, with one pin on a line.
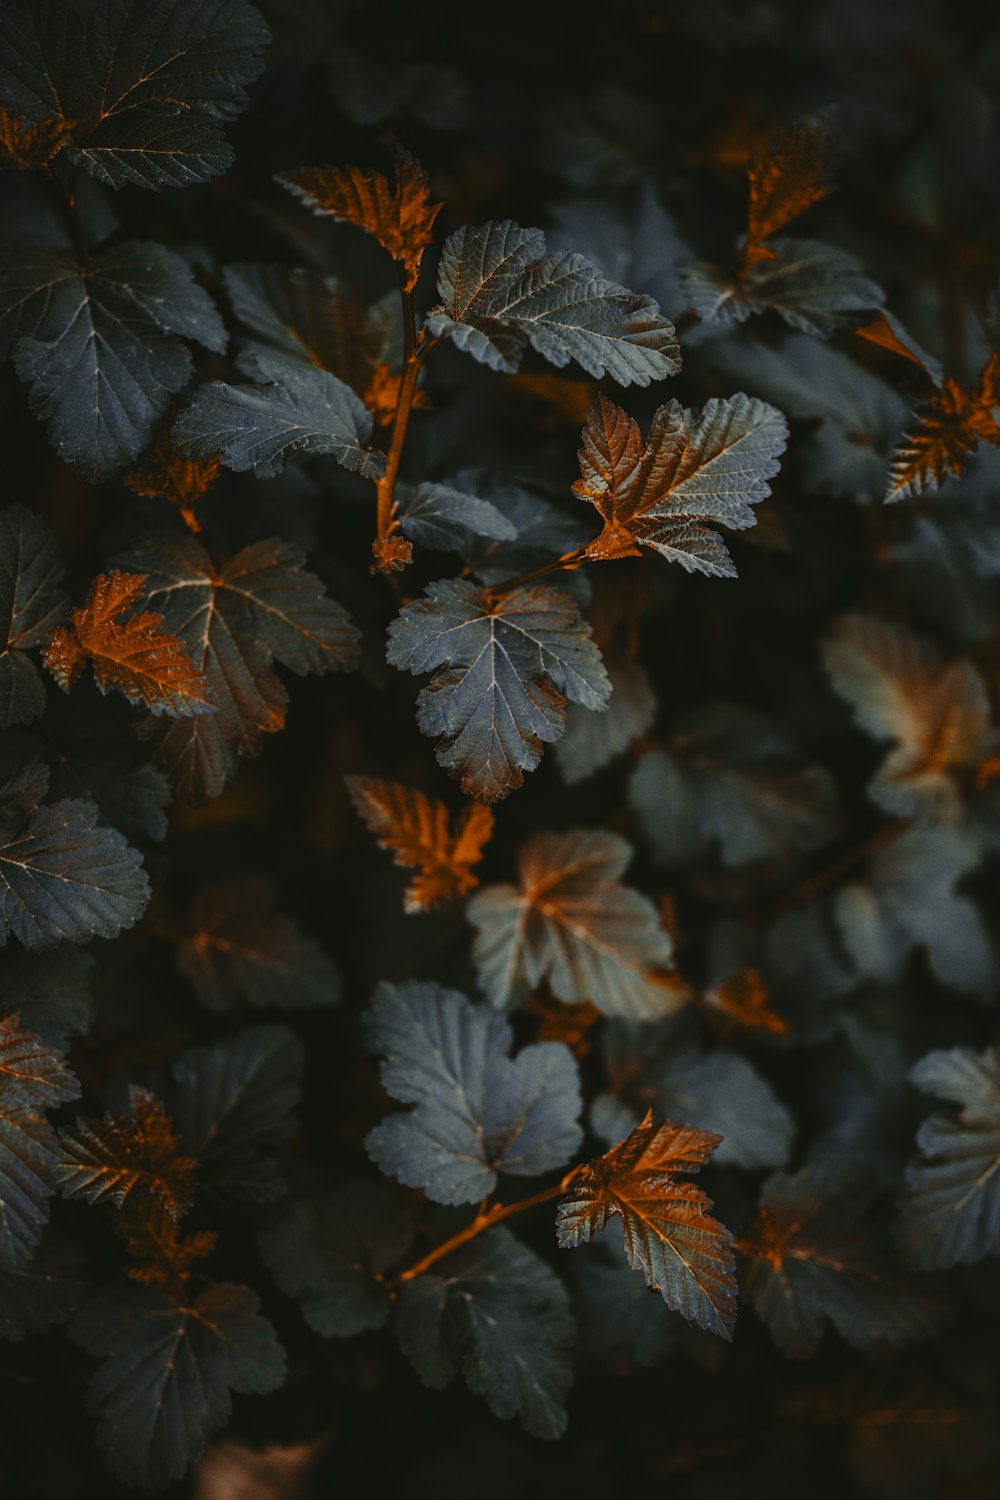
pixel 471 1018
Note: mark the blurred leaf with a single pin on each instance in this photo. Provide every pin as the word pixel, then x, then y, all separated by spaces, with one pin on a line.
pixel 31 602
pixel 813 286
pixel 33 1078
pixel 419 835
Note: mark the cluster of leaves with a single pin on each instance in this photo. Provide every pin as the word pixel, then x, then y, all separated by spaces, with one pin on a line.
pixel 730 930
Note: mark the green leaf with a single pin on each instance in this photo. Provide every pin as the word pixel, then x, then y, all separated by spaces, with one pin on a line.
pixel 813 286
pixel 63 876
pixel 949 1212
pixel 500 292
pixel 816 1254
pixel 145 85
pixel 239 947
pixel 236 618
pixel 330 1255
pixel 506 665
pixel 33 1078
pixel 234 1102
pixel 96 342
pixel 298 411
pixel 731 781
pixel 573 925
pixel 936 712
pixel 32 602
pixel 168 1367
pixel 478 1111
pixel 494 1310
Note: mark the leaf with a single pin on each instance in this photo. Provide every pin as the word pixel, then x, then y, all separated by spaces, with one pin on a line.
pixel 817 1255
pixel 419 835
pixel 330 1255
pixel 787 172
pixel 733 782
pixel 132 654
pixel 507 663
pixel 936 712
pixel 142 87
pixel 234 1103
pixel 622 1328
pixel 950 426
pixel 50 992
pixel 949 1212
pixel 694 467
pixel 478 1112
pixel 41 1295
pixel 742 999
pixel 33 1078
pixel 64 877
pixel 132 794
pixel 166 476
pixel 501 1315
pixel 887 332
pixel 441 516
pixel 25 147
pixel 909 901
pixel 501 292
pixel 31 602
pixel 400 218
pixel 168 1367
pixel 573 925
pixel 667 1230
pixel 95 341
pixel 239 948
pixel 815 287
pixel 592 740
pixel 716 1091
pixel 236 618
pixel 300 411
pixel 135 1155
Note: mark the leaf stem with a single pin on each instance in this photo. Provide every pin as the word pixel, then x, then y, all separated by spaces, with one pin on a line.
pixel 416 347
pixel 485 1219
pixel 568 560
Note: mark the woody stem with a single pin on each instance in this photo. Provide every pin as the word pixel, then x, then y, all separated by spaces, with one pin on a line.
pixel 485 1219
pixel 568 560
pixel 416 348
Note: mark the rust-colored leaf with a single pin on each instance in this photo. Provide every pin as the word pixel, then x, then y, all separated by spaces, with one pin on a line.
pixel 950 426
pixel 167 476
pixel 382 393
pixel 392 553
pixel 881 332
pixel 569 396
pixel 421 836
pixel 559 1022
pixel 25 147
pixel 128 652
pixel 669 1235
pixel 401 217
pixel 787 174
pixel 742 1001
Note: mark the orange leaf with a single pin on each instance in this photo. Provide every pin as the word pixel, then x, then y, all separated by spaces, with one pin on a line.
pixel 950 426
pixel 167 476
pixel 669 1235
pixel 418 832
pixel 742 1000
pixel 25 147
pixel 400 218
pixel 130 654
pixel 788 173
pixel 559 1022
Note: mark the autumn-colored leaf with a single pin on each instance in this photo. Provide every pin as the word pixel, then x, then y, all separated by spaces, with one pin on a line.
pixel 950 426
pixel 558 1022
pixel 132 654
pixel 25 147
pixel 167 476
pixel 401 217
pixel 421 836
pixel 787 174
pixel 695 467
pixel 382 393
pixel 887 332
pixel 743 1001
pixel 669 1235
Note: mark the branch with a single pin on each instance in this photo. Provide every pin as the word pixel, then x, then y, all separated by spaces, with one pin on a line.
pixel 416 347
pixel 569 560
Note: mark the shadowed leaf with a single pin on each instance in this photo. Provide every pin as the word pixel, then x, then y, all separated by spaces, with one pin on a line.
pixel 787 173
pixel 33 1078
pixel 164 475
pixel 31 601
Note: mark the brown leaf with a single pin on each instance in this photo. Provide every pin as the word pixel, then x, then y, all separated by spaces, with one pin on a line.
pixel 787 173
pixel 559 1022
pixel 742 1001
pixel 131 654
pixel 950 426
pixel 25 147
pixel 401 218
pixel 167 476
pixel 420 835
pixel 668 1232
